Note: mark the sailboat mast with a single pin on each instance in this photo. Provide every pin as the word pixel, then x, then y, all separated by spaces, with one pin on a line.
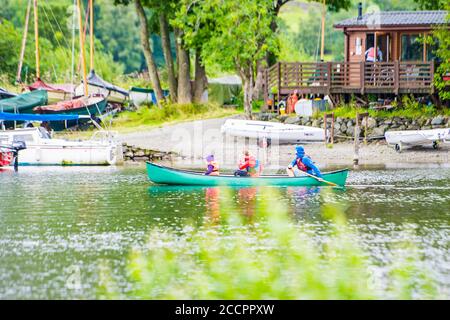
pixel 322 46
pixel 83 55
pixel 36 37
pixel 91 33
pixel 24 43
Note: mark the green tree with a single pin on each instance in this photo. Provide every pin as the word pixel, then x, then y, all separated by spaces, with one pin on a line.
pixel 441 37
pixel 432 4
pixel 241 35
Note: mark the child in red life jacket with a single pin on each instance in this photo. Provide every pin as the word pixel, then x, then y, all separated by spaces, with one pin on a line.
pixel 212 166
pixel 302 163
pixel 249 168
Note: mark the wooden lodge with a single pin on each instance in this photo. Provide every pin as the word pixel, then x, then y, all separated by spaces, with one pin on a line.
pixel 404 64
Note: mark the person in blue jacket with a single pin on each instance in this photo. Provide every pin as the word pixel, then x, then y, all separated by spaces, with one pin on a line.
pixel 302 163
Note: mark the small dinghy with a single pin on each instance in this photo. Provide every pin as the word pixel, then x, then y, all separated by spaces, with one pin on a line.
pixel 272 130
pixel 163 175
pixel 97 85
pixel 400 139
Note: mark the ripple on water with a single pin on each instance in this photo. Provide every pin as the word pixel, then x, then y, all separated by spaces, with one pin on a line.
pixel 56 222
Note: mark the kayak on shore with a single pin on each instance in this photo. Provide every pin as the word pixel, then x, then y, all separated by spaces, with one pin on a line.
pixel 164 175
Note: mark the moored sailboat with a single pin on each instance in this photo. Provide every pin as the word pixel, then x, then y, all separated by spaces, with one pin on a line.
pixel 42 149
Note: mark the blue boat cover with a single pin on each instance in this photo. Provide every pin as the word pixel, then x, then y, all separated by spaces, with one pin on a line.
pixel 5 116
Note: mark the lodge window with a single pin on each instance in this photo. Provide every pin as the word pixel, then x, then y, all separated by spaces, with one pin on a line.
pixel 412 47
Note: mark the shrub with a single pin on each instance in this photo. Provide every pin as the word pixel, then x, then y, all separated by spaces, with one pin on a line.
pixel 270 258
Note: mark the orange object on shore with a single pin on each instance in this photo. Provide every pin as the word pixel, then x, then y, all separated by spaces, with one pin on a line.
pixel 292 100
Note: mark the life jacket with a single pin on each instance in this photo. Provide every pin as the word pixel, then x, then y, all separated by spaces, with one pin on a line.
pixel 254 167
pixel 301 166
pixel 215 170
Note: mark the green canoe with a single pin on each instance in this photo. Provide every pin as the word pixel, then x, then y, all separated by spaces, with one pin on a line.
pixel 163 175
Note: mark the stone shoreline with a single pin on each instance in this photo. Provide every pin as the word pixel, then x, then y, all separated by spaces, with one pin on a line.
pixel 345 127
pixel 187 144
pixel 137 154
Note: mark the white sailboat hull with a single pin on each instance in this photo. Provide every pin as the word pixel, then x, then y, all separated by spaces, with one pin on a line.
pixel 139 98
pixel 110 95
pixel 272 130
pixel 55 96
pixel 417 137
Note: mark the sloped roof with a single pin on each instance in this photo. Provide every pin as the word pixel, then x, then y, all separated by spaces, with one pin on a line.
pixel 396 18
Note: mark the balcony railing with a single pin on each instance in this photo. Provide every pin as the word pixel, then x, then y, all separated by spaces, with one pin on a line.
pixel 349 77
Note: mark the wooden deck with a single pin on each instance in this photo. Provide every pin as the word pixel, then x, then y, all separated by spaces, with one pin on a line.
pixel 329 78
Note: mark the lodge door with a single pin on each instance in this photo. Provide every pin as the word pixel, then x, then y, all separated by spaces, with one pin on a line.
pixel 384 42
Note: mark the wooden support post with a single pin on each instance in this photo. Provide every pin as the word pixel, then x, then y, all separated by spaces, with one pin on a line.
pixel 432 76
pixel 356 142
pixel 361 76
pixel 396 77
pixel 328 139
pixel 332 128
pixel 329 77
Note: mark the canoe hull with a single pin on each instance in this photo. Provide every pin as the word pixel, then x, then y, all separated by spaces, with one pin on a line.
pixel 164 175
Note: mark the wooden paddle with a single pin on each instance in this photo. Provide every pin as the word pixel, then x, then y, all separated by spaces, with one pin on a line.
pixel 290 173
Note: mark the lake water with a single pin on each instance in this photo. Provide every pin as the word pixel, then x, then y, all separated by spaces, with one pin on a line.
pixel 59 226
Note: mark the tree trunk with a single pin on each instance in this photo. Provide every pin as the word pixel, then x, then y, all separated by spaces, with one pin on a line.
pixel 201 81
pixel 247 79
pixel 258 92
pixel 184 77
pixel 168 57
pixel 152 69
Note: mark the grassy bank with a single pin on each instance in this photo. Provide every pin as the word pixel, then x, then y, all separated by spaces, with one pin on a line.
pixel 238 255
pixel 148 117
pixel 349 111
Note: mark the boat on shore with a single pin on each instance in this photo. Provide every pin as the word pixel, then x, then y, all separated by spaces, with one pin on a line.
pixel 42 149
pixel 139 96
pixel 399 139
pixel 55 92
pixel 25 102
pixel 92 105
pixel 98 86
pixel 283 133
pixel 4 94
pixel 164 175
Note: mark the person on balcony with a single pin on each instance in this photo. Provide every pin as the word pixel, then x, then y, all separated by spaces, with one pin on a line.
pixel 370 55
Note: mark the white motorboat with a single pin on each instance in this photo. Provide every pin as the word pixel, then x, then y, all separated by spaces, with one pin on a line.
pixel 399 139
pixel 41 149
pixel 287 133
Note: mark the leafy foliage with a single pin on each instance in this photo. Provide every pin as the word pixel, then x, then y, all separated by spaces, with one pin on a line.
pixel 235 255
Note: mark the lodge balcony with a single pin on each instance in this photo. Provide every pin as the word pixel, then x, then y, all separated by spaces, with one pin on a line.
pixel 340 78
